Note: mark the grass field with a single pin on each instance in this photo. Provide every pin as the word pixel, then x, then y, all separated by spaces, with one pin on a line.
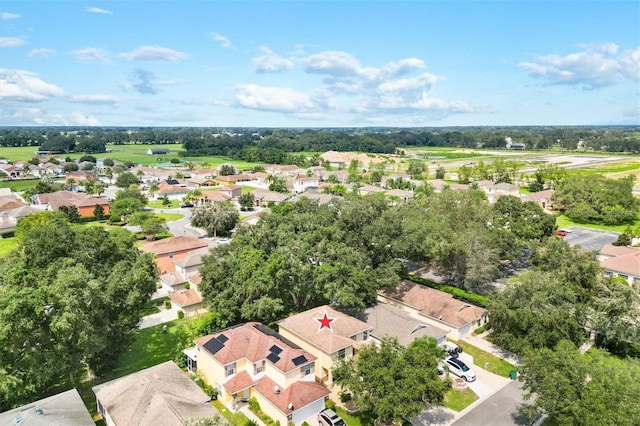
pixel 564 222
pixel 157 204
pixel 459 400
pixel 134 153
pixel 6 245
pixel 170 217
pixel 481 358
pixel 150 348
pixel 19 185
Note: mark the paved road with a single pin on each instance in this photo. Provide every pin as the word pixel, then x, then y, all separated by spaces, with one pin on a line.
pixel 590 239
pixel 500 409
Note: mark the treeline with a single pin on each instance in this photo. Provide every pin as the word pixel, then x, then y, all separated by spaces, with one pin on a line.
pixel 275 145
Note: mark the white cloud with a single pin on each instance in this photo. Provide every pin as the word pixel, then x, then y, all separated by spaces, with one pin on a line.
pixel 98 10
pixel 280 99
pixel 420 82
pixel 42 52
pixel 5 16
pixel 26 86
pixel 154 54
pixel 224 41
pixel 11 41
pixel 96 99
pixel 598 65
pixel 331 62
pixel 83 119
pixel 91 54
pixel 271 62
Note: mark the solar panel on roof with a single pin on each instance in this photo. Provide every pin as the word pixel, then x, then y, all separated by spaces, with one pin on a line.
pixel 299 360
pixel 222 338
pixel 213 345
pixel 275 349
pixel 273 357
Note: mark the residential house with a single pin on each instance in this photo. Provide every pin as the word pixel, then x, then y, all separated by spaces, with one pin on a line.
pixel 621 261
pixel 10 200
pixel 319 197
pixel 438 185
pixel 435 307
pixel 317 171
pixel 399 195
pixel 253 361
pixel 542 198
pixel 189 301
pixel 172 189
pixel 211 196
pixel 199 182
pixel 328 344
pixel 176 247
pixel 83 175
pixel 233 191
pixel 288 170
pixel 184 268
pixel 9 218
pixel 259 177
pixel 85 203
pixel 301 184
pixel 161 395
pixel 367 189
pixel 341 176
pixel 66 408
pixel 264 197
pixel 12 170
pixel 388 321
pixel 232 180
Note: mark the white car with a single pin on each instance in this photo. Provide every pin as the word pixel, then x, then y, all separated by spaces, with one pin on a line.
pixel 460 369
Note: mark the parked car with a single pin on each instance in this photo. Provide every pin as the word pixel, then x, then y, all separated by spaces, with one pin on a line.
pixel 328 417
pixel 561 233
pixel 452 349
pixel 460 369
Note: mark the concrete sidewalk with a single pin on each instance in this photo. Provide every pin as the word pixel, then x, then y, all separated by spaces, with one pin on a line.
pixel 481 343
pixel 165 315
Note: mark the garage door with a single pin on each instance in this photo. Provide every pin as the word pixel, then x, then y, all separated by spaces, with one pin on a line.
pixel 310 411
pixel 465 330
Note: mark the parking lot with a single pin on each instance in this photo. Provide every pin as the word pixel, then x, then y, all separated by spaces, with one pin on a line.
pixel 589 239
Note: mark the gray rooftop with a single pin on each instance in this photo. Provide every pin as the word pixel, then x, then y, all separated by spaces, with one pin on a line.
pixel 63 409
pixel 388 320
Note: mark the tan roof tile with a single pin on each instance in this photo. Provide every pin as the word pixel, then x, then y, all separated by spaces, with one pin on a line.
pixel 174 244
pixel 298 394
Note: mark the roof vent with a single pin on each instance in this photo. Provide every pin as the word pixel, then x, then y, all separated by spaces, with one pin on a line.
pixel 276 390
pixel 18 418
pixel 290 406
pixel 39 411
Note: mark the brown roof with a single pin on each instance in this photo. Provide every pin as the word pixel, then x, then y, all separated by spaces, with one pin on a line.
pixel 624 260
pixel 174 244
pixel 434 303
pixel 538 196
pixel 215 195
pixel 160 395
pixel 298 394
pixel 67 198
pixel 173 278
pixel 387 320
pixel 253 341
pixel 306 326
pixel 239 382
pixel 186 298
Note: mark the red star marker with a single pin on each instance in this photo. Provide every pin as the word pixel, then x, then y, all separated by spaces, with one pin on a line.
pixel 325 322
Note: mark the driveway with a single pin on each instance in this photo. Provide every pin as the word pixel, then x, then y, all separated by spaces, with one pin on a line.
pixel 500 409
pixel 165 315
pixel 590 239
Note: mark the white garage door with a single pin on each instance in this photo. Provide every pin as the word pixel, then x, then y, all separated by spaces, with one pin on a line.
pixel 310 411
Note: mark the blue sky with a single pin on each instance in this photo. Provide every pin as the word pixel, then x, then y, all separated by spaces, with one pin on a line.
pixel 319 64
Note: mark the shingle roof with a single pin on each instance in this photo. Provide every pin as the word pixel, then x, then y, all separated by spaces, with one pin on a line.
pixel 305 326
pixel 186 298
pixel 67 198
pixel 174 244
pixel 254 342
pixel 298 394
pixel 63 409
pixel 239 382
pixel 387 320
pixel 173 278
pixel 160 395
pixel 624 260
pixel 434 303
pixel 192 259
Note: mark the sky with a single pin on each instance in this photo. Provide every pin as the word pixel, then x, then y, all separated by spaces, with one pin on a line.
pixel 429 63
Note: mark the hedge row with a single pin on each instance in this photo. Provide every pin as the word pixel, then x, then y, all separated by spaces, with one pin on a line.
pixel 457 293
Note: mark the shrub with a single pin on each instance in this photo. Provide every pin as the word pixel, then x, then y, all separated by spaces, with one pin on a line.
pixel 344 396
pixel 181 360
pixel 480 330
pixel 180 314
pixel 254 405
pixel 114 218
pixel 211 391
pixel 251 423
pixel 187 286
pixel 328 403
pixel 457 293
pixel 167 304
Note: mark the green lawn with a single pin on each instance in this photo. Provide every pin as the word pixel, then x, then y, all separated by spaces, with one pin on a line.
pixel 6 245
pixel 356 419
pixel 150 348
pixel 170 217
pixel 459 400
pixel 19 185
pixel 234 419
pixel 564 222
pixel 480 358
pixel 157 204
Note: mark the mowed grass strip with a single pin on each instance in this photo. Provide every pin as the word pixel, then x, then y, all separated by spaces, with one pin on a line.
pixel 481 358
pixel 458 400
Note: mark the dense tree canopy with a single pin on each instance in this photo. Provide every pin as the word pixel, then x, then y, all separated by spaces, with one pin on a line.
pixel 70 299
pixel 218 218
pixel 596 199
pixel 576 389
pixel 394 382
